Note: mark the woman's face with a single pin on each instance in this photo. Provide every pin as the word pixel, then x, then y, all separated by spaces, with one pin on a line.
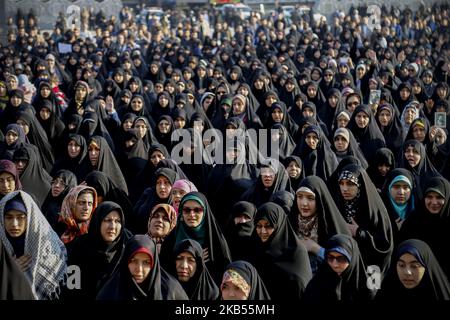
pixel 342 122
pixel 141 127
pixel 94 154
pixel 384 117
pixel 21 165
pixel 127 124
pixel 83 207
pixel 277 115
pixel 311 91
pixel 192 213
pixel 404 94
pixel 164 126
pixel 186 266
pixel 340 143
pixel 156 157
pixel 349 190
pixel 163 187
pixel 163 101
pixel 270 99
pixel 312 140
pixel 45 92
pixel 332 101
pixel 232 292
pixel 7 183
pixel 137 104
pixel 410 271
pixel 410 115
pixel 139 266
pixel 11 137
pixel 73 149
pixel 362 120
pixel 259 84
pixel 434 202
pixel 267 177
pixel 58 186
pixel 307 112
pixel 159 224
pixel 24 125
pixel 306 203
pixel 15 223
pixel 179 123
pixel 238 106
pixel 264 230
pixel 412 156
pixel 337 262
pixel 44 113
pixel 400 192
pixel 418 133
pixel 294 170
pixel 111 226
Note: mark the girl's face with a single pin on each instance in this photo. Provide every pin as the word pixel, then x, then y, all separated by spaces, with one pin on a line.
pixel 410 271
pixel 163 101
pixel 45 92
pixel 277 115
pixel 137 104
pixel 306 203
pixel 333 100
pixel 412 156
pixel 340 143
pixel 264 230
pixel 11 137
pixel 434 202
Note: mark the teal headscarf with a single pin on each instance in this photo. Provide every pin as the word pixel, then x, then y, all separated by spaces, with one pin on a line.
pixel 402 210
pixel 183 231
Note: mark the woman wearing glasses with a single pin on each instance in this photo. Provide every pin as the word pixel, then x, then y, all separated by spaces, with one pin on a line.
pixel 342 276
pixel 198 223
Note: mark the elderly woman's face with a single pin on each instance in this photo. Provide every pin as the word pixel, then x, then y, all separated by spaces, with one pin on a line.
pixel 159 224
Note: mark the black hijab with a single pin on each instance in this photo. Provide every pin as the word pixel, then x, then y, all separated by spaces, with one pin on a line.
pixel 374 235
pixel 35 180
pixel 159 285
pixel 393 133
pixel 38 137
pixel 329 219
pixel 201 286
pixel 282 261
pixel 350 285
pixel 149 199
pixel 434 285
pixel 97 259
pixel 423 171
pixel 431 228
pixel 106 163
pixel 7 151
pixel 239 235
pixel 68 163
pixel 322 161
pixel 295 182
pixel 13 283
pixel 370 138
pixel 258 194
pixel 246 270
pixel 52 205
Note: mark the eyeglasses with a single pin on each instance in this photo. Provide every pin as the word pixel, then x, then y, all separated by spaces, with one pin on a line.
pixel 196 210
pixel 354 103
pixel 340 259
pixel 328 75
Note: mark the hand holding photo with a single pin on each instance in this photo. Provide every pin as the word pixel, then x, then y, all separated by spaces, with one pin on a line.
pixel 440 119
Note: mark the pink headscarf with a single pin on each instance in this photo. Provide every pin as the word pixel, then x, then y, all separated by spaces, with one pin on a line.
pixel 184 185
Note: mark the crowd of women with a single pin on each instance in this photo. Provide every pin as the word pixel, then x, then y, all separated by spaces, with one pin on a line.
pixel 354 206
